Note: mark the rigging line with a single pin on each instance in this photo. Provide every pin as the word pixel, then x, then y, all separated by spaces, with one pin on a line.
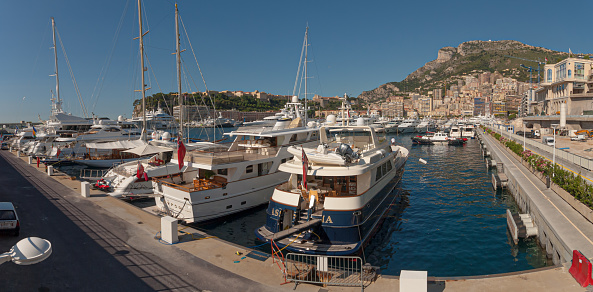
pixel 201 74
pixel 299 67
pixel 85 113
pixel 101 79
pixel 155 80
pixel 316 70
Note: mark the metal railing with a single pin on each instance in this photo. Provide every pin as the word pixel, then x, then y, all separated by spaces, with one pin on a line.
pixel 92 173
pixel 328 270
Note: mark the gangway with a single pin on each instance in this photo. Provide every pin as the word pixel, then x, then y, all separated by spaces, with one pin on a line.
pixel 292 230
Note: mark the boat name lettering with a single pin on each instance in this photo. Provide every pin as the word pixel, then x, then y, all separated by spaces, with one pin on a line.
pixel 327 219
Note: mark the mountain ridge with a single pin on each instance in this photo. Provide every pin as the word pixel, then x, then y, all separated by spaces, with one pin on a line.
pixel 467 58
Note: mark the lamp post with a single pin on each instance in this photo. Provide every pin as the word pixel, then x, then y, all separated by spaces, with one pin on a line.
pixel 524 148
pixel 554 126
pixel 28 251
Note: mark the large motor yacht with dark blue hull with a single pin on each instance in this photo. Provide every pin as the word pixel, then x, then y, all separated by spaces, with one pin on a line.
pixel 350 182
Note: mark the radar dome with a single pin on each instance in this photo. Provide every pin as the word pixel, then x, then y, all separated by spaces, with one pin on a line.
pixel 331 119
pixel 295 98
pixel 360 121
pixel 120 118
pixel 166 136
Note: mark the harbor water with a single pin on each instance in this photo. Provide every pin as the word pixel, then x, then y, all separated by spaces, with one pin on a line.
pixel 448 221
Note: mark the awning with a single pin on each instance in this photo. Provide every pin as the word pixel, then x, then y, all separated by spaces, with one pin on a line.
pixel 148 149
pixel 128 144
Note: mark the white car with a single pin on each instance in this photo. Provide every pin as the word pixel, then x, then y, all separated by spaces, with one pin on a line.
pixel 9 220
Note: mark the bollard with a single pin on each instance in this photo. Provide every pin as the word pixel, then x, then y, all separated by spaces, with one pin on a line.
pixel 85 189
pixel 38 160
pixel 169 232
pixel 50 170
pixel 30 160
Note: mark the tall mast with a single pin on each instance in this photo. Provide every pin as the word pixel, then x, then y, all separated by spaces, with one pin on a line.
pixel 58 102
pixel 142 69
pixel 178 53
pixel 306 76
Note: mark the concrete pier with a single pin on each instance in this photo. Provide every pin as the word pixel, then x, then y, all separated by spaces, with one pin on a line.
pixel 561 229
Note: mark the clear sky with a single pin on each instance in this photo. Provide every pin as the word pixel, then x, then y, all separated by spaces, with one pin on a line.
pixel 251 45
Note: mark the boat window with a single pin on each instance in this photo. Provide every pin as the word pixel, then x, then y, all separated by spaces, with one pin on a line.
pixel 384 168
pixel 223 171
pixel 249 169
pixel 378 174
pixel 283 160
pixel 389 167
pixel 264 168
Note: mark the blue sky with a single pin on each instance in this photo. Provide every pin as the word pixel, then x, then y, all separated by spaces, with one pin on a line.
pixel 251 45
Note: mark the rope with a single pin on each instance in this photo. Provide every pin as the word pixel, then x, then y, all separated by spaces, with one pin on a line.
pixel 297 237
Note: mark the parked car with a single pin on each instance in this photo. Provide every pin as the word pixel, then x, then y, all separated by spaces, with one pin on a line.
pixel 580 137
pixel 548 141
pixel 9 220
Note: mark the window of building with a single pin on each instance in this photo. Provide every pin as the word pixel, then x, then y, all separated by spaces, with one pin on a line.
pixel 569 73
pixel 549 75
pixel 579 70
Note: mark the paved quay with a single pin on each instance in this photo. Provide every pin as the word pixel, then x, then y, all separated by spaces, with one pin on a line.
pixel 208 263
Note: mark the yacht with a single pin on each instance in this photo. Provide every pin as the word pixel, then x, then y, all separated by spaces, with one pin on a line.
pixel 455 131
pixel 156 119
pixel 426 126
pixel 467 131
pixel 337 194
pixel 408 126
pixel 231 177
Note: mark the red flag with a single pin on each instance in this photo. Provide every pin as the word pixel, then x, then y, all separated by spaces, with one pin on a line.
pixel 180 153
pixel 145 176
pixel 58 153
pixel 305 168
pixel 140 170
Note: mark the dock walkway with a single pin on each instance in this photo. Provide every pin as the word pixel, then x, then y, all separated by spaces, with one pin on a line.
pixel 571 229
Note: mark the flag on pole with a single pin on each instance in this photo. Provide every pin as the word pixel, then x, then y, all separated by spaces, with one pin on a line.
pixel 140 171
pixel 569 52
pixel 546 59
pixel 180 152
pixel 305 168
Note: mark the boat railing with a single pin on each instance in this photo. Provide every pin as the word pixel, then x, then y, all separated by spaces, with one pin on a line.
pixel 200 184
pixel 247 151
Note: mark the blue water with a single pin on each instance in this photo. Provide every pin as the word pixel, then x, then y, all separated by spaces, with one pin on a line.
pixel 449 221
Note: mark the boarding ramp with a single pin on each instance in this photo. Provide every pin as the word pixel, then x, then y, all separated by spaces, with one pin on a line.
pixel 328 270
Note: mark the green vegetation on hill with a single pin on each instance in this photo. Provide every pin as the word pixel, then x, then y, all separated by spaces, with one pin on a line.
pixel 469 58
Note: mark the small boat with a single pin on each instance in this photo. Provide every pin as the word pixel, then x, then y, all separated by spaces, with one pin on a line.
pixel 457 141
pixel 430 138
pixel 421 140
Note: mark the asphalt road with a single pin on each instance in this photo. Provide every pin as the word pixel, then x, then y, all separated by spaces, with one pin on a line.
pixel 92 250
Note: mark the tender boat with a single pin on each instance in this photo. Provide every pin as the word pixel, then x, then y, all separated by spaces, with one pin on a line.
pixel 431 138
pixel 337 193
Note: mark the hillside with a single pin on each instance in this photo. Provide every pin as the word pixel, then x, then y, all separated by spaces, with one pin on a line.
pixel 468 58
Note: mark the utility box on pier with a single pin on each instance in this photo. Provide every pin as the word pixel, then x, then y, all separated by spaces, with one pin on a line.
pixel 169 232
pixel 85 189
pixel 416 281
pixel 50 170
pixel 30 159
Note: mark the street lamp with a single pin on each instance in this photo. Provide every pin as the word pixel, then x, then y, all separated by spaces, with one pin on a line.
pixel 524 148
pixel 28 251
pixel 554 126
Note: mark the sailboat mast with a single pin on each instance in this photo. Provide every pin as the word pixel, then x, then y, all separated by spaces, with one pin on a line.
pixel 178 53
pixel 306 76
pixel 58 101
pixel 142 69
